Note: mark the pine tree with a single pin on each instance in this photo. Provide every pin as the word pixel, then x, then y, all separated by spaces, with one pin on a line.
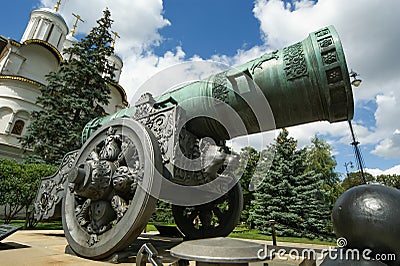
pixel 73 96
pixel 275 195
pixel 290 195
pixel 313 213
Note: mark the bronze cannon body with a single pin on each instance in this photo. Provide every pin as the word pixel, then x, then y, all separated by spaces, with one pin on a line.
pixel 173 147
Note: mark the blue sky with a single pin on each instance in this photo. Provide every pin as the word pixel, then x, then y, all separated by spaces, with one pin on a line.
pixel 156 34
pixel 207 27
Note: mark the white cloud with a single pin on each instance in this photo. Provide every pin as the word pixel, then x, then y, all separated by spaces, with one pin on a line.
pixel 389 147
pixel 161 74
pixel 395 170
pixel 136 21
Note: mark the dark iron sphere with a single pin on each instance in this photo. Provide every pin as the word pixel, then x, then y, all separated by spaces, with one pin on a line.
pixel 368 217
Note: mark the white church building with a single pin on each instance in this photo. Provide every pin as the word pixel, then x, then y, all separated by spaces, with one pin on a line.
pixel 23 67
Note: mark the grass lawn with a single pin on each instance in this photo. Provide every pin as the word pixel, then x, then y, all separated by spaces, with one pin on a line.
pixel 239 232
pixel 49 225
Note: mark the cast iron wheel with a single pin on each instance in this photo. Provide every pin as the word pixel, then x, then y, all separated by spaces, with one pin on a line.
pixel 107 204
pixel 215 219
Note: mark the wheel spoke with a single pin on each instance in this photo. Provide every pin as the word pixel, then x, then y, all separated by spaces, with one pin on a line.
pixel 192 216
pixel 206 218
pixel 215 219
pixel 218 213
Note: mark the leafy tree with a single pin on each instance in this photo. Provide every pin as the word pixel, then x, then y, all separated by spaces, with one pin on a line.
pixel 10 172
pixel 355 179
pixel 320 160
pixel 18 187
pixel 31 175
pixel 389 180
pixel 163 213
pixel 250 156
pixel 74 95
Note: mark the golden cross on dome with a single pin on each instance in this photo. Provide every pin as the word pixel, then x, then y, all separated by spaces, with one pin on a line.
pixel 115 38
pixel 57 6
pixel 78 18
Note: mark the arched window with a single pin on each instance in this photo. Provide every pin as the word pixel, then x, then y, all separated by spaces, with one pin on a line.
pixel 18 127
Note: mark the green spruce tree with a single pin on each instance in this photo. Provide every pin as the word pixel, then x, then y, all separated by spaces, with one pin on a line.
pixel 73 96
pixel 290 195
pixel 310 207
pixel 275 194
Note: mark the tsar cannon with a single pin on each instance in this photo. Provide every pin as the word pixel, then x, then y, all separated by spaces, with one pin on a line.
pixel 173 147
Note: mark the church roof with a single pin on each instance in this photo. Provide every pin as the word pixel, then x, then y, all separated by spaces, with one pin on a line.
pixel 53 12
pixel 44 44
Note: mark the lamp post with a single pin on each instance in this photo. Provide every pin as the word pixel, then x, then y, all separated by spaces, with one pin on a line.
pixel 357 152
pixel 272 223
pixel 356 82
pixel 347 170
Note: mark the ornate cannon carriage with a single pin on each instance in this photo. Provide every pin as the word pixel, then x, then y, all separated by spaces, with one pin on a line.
pixel 173 147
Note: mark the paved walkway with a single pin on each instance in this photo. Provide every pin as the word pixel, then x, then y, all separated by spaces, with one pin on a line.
pixel 47 247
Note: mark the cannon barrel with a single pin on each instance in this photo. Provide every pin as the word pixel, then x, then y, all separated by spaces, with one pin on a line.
pixel 154 150
pixel 305 82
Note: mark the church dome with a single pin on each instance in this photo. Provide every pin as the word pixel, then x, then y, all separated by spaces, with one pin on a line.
pixel 116 62
pixel 47 25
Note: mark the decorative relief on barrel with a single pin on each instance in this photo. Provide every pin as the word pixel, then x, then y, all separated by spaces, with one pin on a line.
pixel 264 58
pixel 219 87
pixel 330 57
pixel 322 32
pixel 324 43
pixel 334 75
pixel 295 61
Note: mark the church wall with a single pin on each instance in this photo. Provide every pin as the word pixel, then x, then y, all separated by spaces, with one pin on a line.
pixel 19 92
pixel 17 100
pixel 39 63
pixel 13 64
pixel 115 103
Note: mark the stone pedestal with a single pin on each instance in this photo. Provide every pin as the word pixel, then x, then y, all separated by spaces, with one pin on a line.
pixel 219 251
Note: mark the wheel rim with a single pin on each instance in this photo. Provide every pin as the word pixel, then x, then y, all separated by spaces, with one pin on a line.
pixel 215 219
pixel 106 205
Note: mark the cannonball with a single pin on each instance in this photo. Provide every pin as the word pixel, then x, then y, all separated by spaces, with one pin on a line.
pixel 368 217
